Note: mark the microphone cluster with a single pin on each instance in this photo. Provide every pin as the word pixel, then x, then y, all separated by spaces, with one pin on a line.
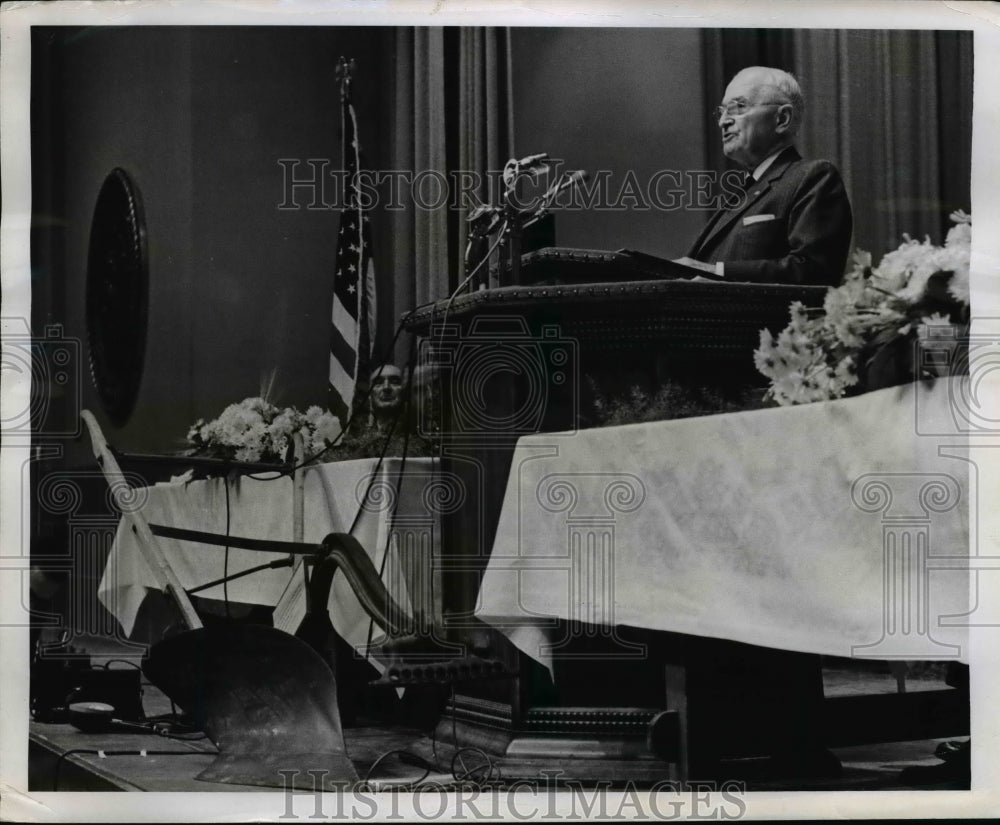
pixel 508 220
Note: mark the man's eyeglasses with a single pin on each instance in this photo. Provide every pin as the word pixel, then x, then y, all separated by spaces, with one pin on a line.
pixel 736 108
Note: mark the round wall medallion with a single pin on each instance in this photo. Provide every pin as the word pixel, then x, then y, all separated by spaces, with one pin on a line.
pixel 117 295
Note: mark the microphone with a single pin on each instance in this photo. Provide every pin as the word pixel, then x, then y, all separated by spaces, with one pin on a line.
pixel 534 166
pixel 533 160
pixel 570 181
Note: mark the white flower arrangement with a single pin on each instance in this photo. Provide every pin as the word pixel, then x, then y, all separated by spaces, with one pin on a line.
pixel 254 430
pixel 864 334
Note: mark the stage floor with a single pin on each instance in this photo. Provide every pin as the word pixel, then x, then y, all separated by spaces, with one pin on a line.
pixel 873 767
pixel 52 766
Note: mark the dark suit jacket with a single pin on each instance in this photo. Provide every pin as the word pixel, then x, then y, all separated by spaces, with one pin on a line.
pixel 794 227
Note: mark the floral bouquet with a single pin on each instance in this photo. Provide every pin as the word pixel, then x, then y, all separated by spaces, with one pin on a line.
pixel 866 333
pixel 254 430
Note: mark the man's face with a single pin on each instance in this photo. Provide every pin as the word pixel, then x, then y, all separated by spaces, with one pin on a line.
pixel 387 388
pixel 750 137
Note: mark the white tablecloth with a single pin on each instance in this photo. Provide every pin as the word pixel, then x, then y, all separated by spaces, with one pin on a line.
pixel 263 509
pixel 825 528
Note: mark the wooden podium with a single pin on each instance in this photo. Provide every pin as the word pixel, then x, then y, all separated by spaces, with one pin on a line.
pixel 523 359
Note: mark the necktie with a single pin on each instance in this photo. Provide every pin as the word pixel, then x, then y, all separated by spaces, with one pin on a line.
pixel 745 187
pixel 735 200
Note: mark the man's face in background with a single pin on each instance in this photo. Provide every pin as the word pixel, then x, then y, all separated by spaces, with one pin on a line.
pixel 387 389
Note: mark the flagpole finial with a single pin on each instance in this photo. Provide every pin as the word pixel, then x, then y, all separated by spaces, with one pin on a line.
pixel 345 71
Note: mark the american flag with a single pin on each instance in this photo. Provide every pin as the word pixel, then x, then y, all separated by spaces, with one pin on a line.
pixel 353 334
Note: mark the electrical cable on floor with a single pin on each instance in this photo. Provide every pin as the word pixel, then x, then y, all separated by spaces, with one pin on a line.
pixel 165 729
pixel 410 783
pixel 170 726
pixel 121 661
pixel 493 773
pixel 103 753
pixel 475 774
pixel 488 763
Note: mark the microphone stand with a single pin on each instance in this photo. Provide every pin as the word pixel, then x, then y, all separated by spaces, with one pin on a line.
pixel 510 220
pixel 483 222
pixel 516 220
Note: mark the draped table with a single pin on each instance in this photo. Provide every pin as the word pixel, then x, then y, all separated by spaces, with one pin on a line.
pixel 398 519
pixel 839 528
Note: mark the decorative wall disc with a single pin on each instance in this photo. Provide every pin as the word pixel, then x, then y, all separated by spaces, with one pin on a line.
pixel 117 295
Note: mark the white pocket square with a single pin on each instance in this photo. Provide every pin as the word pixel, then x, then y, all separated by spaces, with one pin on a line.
pixel 757 219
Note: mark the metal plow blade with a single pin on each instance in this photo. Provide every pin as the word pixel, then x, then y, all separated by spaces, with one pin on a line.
pixel 266 699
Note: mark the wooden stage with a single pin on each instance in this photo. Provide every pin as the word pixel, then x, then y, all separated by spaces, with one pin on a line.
pixel 63 758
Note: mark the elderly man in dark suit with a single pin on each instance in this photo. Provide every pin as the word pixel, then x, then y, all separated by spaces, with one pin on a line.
pixel 792 225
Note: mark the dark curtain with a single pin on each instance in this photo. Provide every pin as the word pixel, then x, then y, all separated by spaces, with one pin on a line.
pixel 451 111
pixel 892 109
pixel 481 132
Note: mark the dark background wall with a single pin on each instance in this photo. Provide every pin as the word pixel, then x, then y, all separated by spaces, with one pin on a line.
pixel 199 118
pixel 614 100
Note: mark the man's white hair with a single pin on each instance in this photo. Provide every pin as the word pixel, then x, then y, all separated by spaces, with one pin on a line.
pixel 785 84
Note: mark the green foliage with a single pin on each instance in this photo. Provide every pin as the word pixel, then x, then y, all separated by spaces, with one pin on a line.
pixel 369 442
pixel 670 400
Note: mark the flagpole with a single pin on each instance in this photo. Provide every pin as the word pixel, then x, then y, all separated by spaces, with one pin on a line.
pixel 354 302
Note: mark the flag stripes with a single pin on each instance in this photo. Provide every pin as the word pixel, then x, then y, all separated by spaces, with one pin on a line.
pixel 354 308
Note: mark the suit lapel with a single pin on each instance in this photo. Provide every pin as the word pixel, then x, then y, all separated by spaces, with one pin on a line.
pixel 724 218
pixel 728 216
